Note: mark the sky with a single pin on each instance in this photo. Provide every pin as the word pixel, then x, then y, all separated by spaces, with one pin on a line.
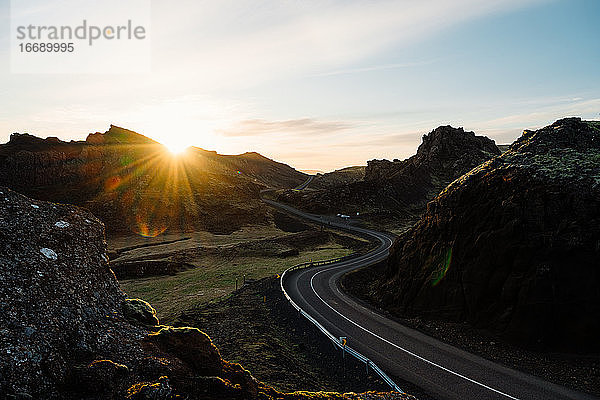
pixel 322 85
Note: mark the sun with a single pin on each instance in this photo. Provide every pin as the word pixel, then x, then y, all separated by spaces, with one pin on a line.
pixel 176 148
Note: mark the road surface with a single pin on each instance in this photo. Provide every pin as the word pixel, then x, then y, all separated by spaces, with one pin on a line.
pixel 305 183
pixel 440 370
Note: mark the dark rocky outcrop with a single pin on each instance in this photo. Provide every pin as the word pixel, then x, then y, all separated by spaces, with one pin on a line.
pixel 338 177
pixel 61 304
pixel 446 152
pixel 400 189
pixel 513 246
pixel 133 184
pixel 68 332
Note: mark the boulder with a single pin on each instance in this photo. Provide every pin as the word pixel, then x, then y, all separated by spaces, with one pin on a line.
pixel 141 311
pixel 190 345
pixel 61 304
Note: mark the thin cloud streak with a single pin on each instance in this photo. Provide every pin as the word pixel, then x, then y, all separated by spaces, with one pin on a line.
pixel 374 68
pixel 303 126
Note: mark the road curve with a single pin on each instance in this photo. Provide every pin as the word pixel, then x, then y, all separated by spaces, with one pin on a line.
pixel 440 370
pixel 305 183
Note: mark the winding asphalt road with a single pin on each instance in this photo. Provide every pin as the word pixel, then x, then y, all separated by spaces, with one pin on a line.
pixel 306 183
pixel 440 370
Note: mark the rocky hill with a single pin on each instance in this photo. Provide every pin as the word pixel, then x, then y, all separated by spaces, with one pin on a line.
pixel 400 189
pixel 133 183
pixel 338 177
pixel 513 246
pixel 68 332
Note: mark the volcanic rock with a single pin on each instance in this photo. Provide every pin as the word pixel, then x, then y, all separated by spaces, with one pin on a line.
pixel 140 311
pixel 513 246
pixel 400 189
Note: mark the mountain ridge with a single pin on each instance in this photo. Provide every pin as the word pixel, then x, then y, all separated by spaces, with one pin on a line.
pixel 393 191
pixel 122 176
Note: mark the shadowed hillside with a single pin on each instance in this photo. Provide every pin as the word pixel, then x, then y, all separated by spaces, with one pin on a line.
pixel 338 177
pixel 134 184
pixel 398 190
pixel 512 246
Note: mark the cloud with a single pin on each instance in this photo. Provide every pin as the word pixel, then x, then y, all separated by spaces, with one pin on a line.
pixel 239 44
pixel 585 108
pixel 507 128
pixel 239 52
pixel 303 126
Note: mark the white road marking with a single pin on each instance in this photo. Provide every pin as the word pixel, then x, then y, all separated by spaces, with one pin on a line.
pixel 403 349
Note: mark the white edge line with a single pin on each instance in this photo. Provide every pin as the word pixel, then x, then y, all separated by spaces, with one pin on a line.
pixel 403 349
pixel 329 335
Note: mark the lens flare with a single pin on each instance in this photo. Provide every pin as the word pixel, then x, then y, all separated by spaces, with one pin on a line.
pixel 444 265
pixel 177 148
pixel 112 183
pixel 150 187
pixel 146 230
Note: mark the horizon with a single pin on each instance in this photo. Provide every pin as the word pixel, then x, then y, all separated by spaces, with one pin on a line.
pixel 178 150
pixel 326 86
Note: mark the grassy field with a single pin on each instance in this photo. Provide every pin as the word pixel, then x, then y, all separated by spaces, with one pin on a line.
pixel 215 278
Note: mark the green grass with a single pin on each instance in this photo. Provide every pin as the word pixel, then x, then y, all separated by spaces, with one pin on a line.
pixel 214 277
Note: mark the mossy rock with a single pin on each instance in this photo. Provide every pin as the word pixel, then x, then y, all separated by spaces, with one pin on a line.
pixel 160 390
pixel 190 345
pixel 141 311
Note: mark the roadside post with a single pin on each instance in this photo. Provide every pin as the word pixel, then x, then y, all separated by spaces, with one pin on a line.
pixel 343 341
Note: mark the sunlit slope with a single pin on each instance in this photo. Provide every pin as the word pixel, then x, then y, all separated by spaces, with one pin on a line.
pixel 135 184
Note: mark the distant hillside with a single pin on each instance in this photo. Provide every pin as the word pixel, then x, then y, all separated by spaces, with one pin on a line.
pixel 512 246
pixel 338 177
pixel 398 190
pixel 134 184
